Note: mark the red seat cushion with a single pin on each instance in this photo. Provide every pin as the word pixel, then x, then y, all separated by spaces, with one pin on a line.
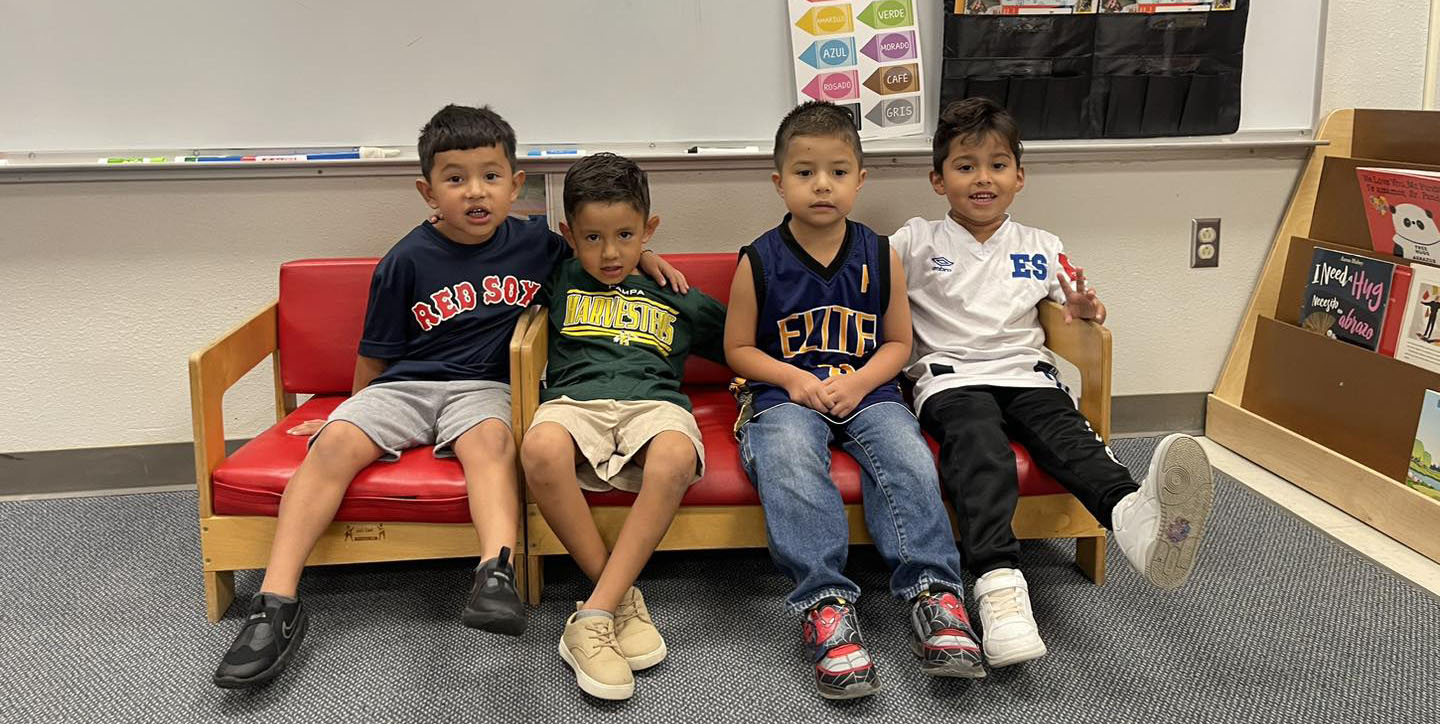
pixel 416 488
pixel 725 482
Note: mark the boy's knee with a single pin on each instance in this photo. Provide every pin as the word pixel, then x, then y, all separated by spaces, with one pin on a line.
pixel 488 440
pixel 343 445
pixel 672 458
pixel 547 447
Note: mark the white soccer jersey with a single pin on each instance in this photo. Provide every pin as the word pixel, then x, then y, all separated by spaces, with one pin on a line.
pixel 973 305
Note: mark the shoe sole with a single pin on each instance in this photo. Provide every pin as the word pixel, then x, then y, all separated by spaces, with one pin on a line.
pixel 853 691
pixel 1020 656
pixel 645 661
pixel 499 622
pixel 956 667
pixel 1186 489
pixel 281 661
pixel 610 692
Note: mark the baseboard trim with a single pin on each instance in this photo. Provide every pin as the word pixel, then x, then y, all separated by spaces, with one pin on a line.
pixel 147 468
pixel 59 473
pixel 1147 415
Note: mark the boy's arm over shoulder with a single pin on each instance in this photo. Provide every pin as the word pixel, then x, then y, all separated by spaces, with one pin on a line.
pixel 707 325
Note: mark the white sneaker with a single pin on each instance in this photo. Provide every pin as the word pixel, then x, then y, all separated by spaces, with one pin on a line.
pixel 1159 526
pixel 1007 624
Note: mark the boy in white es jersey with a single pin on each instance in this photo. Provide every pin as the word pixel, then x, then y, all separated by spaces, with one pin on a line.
pixel 983 376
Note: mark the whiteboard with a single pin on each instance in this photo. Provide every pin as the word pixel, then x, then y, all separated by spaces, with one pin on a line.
pixel 177 74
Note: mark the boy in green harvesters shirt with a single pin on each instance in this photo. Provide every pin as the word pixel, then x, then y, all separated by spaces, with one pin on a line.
pixel 612 415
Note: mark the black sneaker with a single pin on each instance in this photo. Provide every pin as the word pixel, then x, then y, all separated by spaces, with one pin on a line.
pixel 271 634
pixel 494 605
pixel 843 669
pixel 941 636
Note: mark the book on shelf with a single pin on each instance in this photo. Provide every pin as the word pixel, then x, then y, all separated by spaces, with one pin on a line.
pixel 1346 297
pixel 1395 315
pixel 1419 340
pixel 1424 472
pixel 1402 207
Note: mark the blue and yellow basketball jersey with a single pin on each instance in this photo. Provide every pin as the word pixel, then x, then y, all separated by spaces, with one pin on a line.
pixel 826 320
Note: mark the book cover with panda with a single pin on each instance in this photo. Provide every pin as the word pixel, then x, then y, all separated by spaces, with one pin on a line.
pixel 1402 207
pixel 1346 297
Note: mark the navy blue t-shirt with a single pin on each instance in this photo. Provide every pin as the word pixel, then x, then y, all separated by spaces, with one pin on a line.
pixel 445 311
pixel 825 320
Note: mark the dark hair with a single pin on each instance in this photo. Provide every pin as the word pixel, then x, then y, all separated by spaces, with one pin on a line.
pixel 607 179
pixel 972 120
pixel 817 118
pixel 460 128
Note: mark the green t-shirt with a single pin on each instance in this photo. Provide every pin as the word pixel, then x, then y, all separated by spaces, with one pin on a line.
pixel 628 341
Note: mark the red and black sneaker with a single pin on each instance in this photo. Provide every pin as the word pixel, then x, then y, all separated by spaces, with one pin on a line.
pixel 941 636
pixel 843 669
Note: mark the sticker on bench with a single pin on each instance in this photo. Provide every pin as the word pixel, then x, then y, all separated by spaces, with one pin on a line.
pixel 366 532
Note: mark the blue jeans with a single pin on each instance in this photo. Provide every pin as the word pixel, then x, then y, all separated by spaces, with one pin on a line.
pixel 786 453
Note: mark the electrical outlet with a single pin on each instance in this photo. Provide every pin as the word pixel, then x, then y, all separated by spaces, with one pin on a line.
pixel 1204 243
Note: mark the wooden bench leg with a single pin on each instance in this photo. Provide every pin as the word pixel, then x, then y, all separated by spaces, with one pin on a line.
pixel 1090 556
pixel 534 579
pixel 219 593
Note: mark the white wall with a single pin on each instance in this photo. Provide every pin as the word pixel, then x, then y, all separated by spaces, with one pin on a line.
pixel 1375 54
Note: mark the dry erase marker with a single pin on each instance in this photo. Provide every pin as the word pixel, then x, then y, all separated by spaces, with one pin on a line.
pixel 547 152
pixel 212 159
pixel 723 149
pixel 133 159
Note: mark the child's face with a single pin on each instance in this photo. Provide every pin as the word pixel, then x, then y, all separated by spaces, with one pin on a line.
pixel 980 180
pixel 473 190
pixel 819 179
pixel 608 239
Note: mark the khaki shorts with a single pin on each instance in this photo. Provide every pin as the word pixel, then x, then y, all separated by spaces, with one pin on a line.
pixel 610 432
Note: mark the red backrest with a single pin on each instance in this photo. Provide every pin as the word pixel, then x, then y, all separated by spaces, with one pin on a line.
pixel 710 273
pixel 322 311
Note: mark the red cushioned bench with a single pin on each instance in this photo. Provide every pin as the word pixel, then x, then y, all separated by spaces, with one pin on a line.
pixel 722 509
pixel 411 509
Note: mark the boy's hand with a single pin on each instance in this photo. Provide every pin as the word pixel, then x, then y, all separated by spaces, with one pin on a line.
pixel 807 389
pixel 663 274
pixel 306 428
pixel 1081 302
pixel 846 392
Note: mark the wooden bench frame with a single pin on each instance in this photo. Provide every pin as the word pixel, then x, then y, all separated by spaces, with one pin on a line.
pixel 1085 344
pixel 229 543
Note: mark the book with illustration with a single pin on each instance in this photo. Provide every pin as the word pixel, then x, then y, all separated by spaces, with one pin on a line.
pixel 1401 207
pixel 1424 472
pixel 1346 297
pixel 1419 338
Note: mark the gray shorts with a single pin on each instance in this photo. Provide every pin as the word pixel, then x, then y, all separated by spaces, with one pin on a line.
pixel 401 415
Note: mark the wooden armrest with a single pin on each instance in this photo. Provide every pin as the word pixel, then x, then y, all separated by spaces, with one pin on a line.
pixel 534 351
pixel 522 344
pixel 1087 346
pixel 214 370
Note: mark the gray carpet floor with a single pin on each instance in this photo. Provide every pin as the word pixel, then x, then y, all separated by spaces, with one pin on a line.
pixel 101 620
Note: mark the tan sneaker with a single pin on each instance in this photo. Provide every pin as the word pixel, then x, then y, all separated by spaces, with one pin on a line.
pixel 640 642
pixel 589 647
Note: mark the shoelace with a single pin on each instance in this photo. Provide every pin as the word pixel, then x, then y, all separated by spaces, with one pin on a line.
pixel 604 636
pixel 1004 602
pixel 627 612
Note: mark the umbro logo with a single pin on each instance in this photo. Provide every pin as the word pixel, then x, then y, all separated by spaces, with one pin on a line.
pixel 941 264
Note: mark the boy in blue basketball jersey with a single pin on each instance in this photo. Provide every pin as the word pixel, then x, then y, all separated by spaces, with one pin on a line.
pixel 983 377
pixel 819 327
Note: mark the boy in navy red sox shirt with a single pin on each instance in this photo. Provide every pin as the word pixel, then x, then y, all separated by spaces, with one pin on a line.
pixel 432 369
pixel 982 376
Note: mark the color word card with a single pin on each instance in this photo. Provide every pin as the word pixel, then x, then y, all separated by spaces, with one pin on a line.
pixel 862 55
